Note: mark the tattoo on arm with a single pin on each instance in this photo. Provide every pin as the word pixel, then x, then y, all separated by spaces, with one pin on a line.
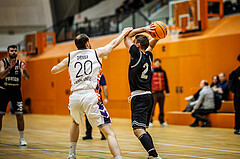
pixel 25 75
pixel 4 73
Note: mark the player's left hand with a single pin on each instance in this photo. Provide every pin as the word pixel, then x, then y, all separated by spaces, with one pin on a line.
pixel 23 65
pixel 150 28
pixel 127 30
pixel 105 101
pixel 167 94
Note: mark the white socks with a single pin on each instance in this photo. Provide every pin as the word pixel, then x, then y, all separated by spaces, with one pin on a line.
pixel 21 134
pixel 73 147
pixel 118 157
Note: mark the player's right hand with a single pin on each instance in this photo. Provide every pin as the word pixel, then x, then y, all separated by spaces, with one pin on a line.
pixel 13 63
pixel 127 30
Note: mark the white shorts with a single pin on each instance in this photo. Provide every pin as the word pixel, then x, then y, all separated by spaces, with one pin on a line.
pixel 87 102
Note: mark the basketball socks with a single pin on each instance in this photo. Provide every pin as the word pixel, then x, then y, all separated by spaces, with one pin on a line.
pixel 21 134
pixel 73 147
pixel 118 157
pixel 147 143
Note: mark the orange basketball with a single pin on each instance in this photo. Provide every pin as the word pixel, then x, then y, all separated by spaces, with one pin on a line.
pixel 161 30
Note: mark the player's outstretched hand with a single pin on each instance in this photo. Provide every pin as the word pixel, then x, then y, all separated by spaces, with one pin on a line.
pixel 13 63
pixel 127 30
pixel 150 28
pixel 23 65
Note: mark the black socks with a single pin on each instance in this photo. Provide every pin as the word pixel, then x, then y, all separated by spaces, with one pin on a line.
pixel 147 143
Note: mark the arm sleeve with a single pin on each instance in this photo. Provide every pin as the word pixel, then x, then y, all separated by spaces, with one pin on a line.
pixel 103 81
pixel 166 82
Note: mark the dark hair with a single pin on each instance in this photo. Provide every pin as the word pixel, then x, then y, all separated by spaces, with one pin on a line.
pixel 238 58
pixel 11 46
pixel 81 40
pixel 143 40
pixel 157 60
pixel 217 78
pixel 205 83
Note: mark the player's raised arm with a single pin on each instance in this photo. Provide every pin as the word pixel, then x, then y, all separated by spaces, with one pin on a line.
pixel 152 44
pixel 128 39
pixel 60 67
pixel 104 51
pixel 24 71
pixel 3 72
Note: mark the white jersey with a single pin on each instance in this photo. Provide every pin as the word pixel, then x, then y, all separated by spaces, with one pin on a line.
pixel 84 68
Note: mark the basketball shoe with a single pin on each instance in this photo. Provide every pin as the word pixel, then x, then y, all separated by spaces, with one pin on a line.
pixel 22 142
pixel 71 156
pixel 151 157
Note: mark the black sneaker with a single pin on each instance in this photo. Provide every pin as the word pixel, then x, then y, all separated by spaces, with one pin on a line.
pixel 103 137
pixel 194 125
pixel 87 137
pixel 237 132
pixel 206 123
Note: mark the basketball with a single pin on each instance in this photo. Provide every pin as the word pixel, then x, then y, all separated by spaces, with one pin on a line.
pixel 161 30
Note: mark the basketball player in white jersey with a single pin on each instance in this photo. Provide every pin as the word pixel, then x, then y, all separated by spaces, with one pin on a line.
pixel 84 66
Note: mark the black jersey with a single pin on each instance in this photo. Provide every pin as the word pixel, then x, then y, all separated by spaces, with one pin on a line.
pixel 139 72
pixel 13 79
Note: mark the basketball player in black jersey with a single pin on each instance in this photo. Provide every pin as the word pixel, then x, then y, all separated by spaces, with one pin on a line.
pixel 11 70
pixel 140 84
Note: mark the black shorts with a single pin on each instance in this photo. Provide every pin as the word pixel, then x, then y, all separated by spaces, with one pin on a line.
pixel 141 108
pixel 13 96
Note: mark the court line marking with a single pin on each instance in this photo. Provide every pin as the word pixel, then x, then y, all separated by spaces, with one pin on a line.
pixel 130 152
pixel 156 143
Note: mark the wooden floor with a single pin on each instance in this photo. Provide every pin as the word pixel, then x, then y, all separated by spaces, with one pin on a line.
pixel 48 136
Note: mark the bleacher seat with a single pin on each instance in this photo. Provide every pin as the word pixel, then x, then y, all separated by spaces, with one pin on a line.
pixel 227 107
pixel 224 118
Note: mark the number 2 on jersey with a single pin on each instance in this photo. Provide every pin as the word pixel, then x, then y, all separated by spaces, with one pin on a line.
pixel 86 65
pixel 144 76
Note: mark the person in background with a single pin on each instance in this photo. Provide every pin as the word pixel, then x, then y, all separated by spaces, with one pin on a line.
pixel 159 85
pixel 204 105
pixel 223 86
pixel 235 83
pixel 11 70
pixel 88 125
pixel 192 101
pixel 215 82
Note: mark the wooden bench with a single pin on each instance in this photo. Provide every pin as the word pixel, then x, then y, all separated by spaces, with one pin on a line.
pixel 227 107
pixel 222 120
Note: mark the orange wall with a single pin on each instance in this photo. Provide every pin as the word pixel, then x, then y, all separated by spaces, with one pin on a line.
pixel 186 62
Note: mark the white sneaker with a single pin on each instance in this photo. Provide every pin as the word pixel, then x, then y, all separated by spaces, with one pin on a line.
pixel 71 156
pixel 189 98
pixel 193 103
pixel 150 157
pixel 150 124
pixel 22 142
pixel 164 124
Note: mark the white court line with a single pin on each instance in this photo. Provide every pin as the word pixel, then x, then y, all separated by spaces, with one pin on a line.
pixel 104 152
pixel 192 147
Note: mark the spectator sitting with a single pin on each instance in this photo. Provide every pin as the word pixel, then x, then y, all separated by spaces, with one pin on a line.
pixel 223 86
pixel 215 82
pixel 191 100
pixel 204 105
